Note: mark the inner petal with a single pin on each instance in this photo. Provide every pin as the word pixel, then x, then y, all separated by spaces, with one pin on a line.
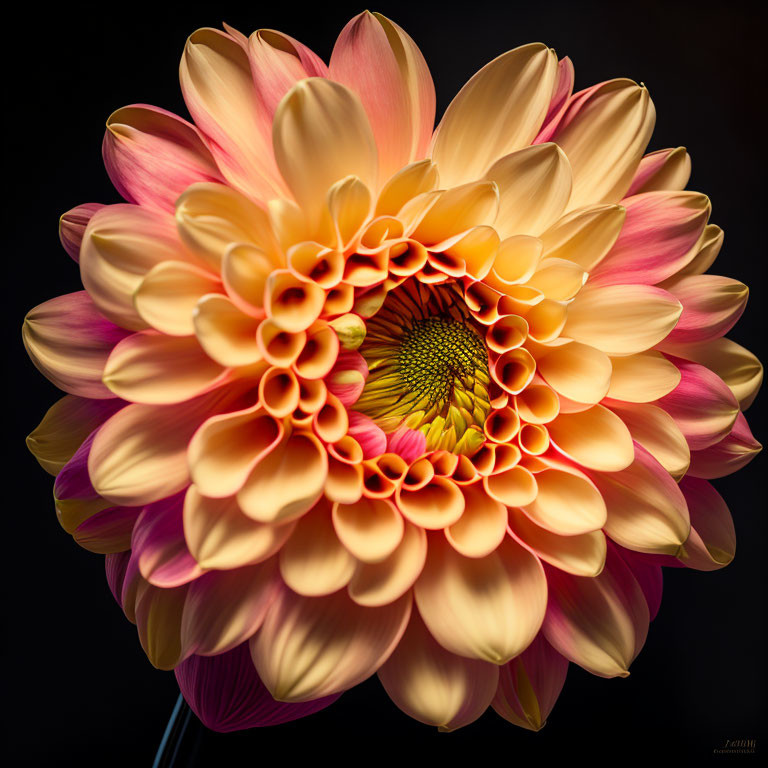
pixel 428 367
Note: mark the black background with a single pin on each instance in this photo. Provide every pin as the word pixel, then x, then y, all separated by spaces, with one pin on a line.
pixel 80 689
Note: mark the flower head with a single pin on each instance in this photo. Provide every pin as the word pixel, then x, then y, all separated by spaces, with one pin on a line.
pixel 345 396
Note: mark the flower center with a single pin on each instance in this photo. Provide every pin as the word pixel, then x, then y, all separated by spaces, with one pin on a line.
pixel 428 367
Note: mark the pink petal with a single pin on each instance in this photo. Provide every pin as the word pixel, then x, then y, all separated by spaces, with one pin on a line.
pixel 371 437
pixel 225 692
pixel 107 531
pixel 278 62
pixel 393 83
pixel 73 482
pixel 560 99
pixel 651 171
pixel 648 575
pixel 728 455
pixel 72 224
pixel 115 566
pixel 159 547
pixel 407 443
pixel 703 407
pixel 152 155
pixel 659 233
pixel 711 307
pixel 347 377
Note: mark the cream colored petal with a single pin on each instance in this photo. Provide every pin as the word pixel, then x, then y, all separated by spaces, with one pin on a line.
pixel 482 526
pixel 371 529
pixel 584 236
pixel 646 510
pixel 310 647
pixel 220 536
pixel 662 170
pixel 434 686
pixel 566 503
pixel 495 623
pixel 558 279
pixel 595 438
pixel 313 561
pixel 227 335
pixel 382 583
pixel 121 244
pixel 412 180
pixel 708 248
pixel 642 378
pixel 605 140
pixel 166 297
pixel 735 365
pixel 582 554
pixel 515 262
pixel 320 135
pixel 287 482
pixel 349 205
pixel 577 371
pixel 150 367
pixel 622 319
pixel 211 217
pixel 244 270
pixel 534 187
pixel 435 505
pixel 658 433
pixel 498 111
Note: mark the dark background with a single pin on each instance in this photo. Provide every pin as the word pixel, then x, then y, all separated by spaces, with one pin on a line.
pixel 81 690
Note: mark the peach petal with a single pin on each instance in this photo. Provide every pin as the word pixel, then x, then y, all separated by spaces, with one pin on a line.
pixel 622 319
pixel 313 561
pixel 244 270
pixel 582 554
pixel 344 483
pixel 371 529
pixel 648 576
pixel 515 262
pixel 226 334
pixel 646 510
pixel 278 347
pixel 701 404
pixel 279 392
pixel 320 352
pixel 502 425
pixel 558 279
pixel 120 246
pixel 72 225
pixel 499 110
pixel 331 422
pixel 603 168
pixel 506 333
pixel 218 90
pixel 482 526
pixel 533 439
pixel 409 182
pixel 735 365
pixel 657 240
pixel 711 307
pixel 137 369
pixel 224 450
pixel 712 543
pixel 220 536
pixel 434 686
pixel 595 438
pixel 530 684
pixel 707 250
pixel 312 647
pixel 538 404
pixel 513 370
pixel 514 487
pixel 642 378
pixel 577 371
pixel 728 455
pixel 662 170
pixel 546 320
pixel 654 429
pixel 292 304
pixel 225 608
pixel 566 503
pixel 152 155
pixel 534 187
pixel 316 263
pixel 377 60
pixel 69 342
pixel 600 622
pixel 437 504
pixel 167 296
pixel 493 624
pixel 321 125
pixel 287 482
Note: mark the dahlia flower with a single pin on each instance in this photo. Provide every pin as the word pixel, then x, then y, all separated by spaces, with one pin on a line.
pixel 346 395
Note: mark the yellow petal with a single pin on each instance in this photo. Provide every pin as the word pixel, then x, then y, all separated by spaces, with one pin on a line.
pixel 642 378
pixel 371 529
pixel 482 526
pixel 577 371
pixel 227 335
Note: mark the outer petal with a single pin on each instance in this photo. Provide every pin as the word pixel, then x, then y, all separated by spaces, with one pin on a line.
pixel 658 238
pixel 530 684
pixel 561 97
pixel 379 62
pixel 321 134
pixel 69 343
pixel 499 110
pixel 152 155
pixel 494 624
pixel 599 623
pixel 434 686
pixel 662 169
pixel 729 455
pixel 72 226
pixel 309 647
pixel 226 693
pixel 642 378
pixel 604 132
